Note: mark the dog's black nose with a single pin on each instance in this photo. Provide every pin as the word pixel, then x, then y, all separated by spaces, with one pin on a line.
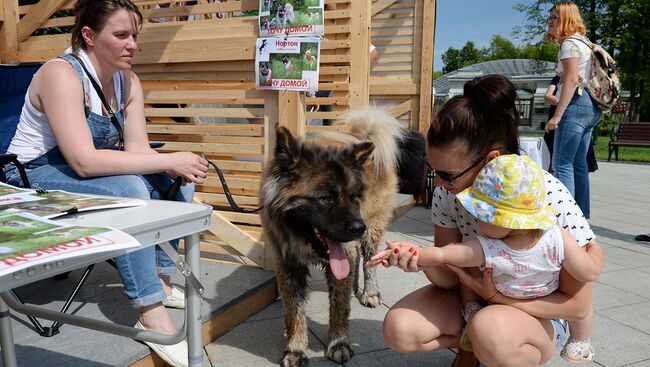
pixel 357 227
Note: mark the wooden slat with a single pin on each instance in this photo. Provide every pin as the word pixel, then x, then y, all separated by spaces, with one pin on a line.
pixel 38 14
pixel 223 129
pixel 380 5
pixel 242 217
pixel 388 88
pixel 403 108
pixel 238 239
pixel 206 112
pixel 58 22
pixel 8 32
pixel 212 148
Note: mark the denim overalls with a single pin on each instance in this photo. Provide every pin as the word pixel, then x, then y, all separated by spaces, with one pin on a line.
pixel 139 270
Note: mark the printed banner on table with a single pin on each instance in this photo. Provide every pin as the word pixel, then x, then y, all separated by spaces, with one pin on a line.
pixel 27 240
pixel 287 63
pixel 279 18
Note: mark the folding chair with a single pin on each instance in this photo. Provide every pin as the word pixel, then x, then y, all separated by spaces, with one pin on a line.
pixel 16 79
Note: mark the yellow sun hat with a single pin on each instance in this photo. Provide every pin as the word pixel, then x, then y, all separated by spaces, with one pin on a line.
pixel 509 192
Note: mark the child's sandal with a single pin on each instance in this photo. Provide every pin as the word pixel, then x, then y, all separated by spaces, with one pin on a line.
pixel 468 312
pixel 578 351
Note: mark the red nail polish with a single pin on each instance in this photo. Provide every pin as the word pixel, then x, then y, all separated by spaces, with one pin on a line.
pixel 415 253
pixel 396 250
pixel 411 249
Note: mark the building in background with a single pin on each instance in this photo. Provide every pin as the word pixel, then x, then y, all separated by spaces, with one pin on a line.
pixel 531 77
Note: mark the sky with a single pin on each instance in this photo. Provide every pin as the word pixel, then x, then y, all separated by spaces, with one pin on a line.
pixel 459 21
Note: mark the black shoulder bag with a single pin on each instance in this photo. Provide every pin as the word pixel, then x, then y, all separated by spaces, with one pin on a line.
pixel 108 108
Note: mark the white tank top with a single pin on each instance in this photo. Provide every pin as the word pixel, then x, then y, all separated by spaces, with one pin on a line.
pixel 34 137
pixel 528 273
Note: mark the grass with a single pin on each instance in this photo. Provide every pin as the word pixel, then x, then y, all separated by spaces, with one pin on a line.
pixel 625 154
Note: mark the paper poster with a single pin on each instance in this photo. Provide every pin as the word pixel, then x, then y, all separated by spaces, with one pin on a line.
pixel 287 63
pixel 280 18
pixel 27 240
pixel 56 203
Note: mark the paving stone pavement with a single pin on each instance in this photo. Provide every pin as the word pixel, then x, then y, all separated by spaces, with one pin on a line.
pixel 620 201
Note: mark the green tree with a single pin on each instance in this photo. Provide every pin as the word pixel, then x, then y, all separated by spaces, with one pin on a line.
pixel 454 59
pixel 451 60
pixel 501 48
pixel 469 54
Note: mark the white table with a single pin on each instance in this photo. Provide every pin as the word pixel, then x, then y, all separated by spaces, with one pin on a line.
pixel 156 222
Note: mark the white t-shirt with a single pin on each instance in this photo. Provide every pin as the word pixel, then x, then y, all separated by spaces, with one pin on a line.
pixel 448 212
pixel 527 273
pixel 572 47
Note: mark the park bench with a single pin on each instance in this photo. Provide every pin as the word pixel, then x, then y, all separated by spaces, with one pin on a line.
pixel 629 134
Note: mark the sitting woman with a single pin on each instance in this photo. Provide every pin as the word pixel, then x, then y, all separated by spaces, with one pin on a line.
pixel 70 139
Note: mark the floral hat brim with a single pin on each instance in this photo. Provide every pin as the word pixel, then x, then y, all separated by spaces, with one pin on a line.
pixel 511 218
pixel 509 192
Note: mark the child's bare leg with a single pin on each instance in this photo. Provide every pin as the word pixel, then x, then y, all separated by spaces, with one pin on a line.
pixel 578 348
pixel 581 329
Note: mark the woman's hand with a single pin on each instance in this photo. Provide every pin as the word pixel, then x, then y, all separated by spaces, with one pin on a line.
pixel 189 166
pixel 552 124
pixel 404 255
pixel 481 284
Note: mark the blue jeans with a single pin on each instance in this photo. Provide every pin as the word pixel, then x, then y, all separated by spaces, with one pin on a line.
pixel 561 332
pixel 139 269
pixel 572 138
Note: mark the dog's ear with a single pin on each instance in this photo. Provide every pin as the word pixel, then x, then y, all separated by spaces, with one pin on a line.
pixel 286 146
pixel 361 152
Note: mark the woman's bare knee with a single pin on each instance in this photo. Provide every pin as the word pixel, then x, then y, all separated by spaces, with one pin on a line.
pixel 503 336
pixel 399 331
pixel 425 320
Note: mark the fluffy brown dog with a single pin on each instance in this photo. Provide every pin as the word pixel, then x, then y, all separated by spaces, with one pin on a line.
pixel 325 205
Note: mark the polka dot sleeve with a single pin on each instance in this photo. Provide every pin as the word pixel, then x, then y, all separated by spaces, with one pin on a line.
pixel 567 213
pixel 443 212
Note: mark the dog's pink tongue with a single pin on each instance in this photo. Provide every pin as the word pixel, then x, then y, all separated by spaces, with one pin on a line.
pixel 338 261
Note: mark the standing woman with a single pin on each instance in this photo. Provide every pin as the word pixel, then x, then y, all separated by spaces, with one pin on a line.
pixel 68 139
pixel 576 115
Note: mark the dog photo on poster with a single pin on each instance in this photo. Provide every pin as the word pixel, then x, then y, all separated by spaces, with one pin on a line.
pixel 287 63
pixel 291 18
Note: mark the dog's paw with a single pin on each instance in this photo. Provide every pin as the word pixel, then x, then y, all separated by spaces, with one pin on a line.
pixel 294 359
pixel 340 352
pixel 370 299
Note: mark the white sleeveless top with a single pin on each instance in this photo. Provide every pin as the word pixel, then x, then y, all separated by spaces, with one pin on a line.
pixel 34 137
pixel 525 273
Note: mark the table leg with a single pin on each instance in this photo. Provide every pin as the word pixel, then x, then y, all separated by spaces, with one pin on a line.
pixel 7 337
pixel 194 319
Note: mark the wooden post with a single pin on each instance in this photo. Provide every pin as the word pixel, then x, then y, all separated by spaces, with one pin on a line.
pixel 9 32
pixel 291 112
pixel 271 117
pixel 426 66
pixel 359 55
